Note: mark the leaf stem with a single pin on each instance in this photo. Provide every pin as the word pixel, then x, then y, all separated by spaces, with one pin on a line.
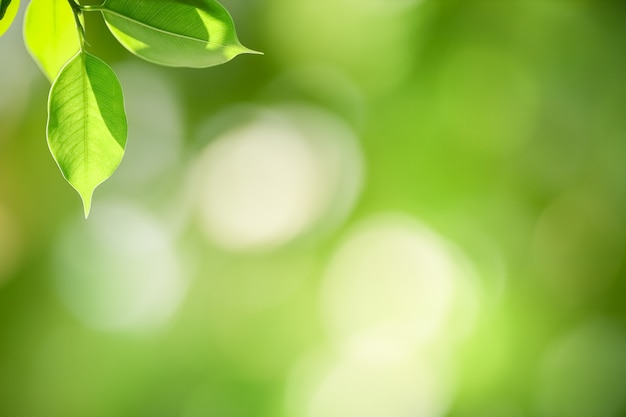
pixel 76 9
pixel 91 7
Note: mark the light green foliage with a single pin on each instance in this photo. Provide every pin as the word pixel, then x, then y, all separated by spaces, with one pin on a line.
pixel 8 10
pixel 185 33
pixel 50 34
pixel 86 124
pixel 86 118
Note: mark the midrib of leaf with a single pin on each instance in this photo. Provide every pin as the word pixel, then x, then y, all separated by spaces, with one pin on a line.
pixel 178 35
pixel 85 122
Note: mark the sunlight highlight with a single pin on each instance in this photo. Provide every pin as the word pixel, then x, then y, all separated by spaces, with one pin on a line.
pixel 331 385
pixel 119 271
pixel 265 182
pixel 396 299
pixel 394 278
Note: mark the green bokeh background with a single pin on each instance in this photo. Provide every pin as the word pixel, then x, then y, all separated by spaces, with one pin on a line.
pixel 474 150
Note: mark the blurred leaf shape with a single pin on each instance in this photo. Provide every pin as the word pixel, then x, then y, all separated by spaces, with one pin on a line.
pixel 86 124
pixel 178 33
pixel 50 35
pixel 7 14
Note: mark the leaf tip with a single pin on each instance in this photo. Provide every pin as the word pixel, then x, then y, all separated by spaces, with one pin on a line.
pixel 86 202
pixel 252 51
pixel 237 48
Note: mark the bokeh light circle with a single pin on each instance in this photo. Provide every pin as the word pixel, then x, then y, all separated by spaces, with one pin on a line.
pixel 396 281
pixel 118 270
pixel 338 385
pixel 279 174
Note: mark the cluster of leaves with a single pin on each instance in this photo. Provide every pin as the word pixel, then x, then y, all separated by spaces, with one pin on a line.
pixel 87 126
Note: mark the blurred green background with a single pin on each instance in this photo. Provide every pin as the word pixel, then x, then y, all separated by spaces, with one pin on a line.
pixel 404 208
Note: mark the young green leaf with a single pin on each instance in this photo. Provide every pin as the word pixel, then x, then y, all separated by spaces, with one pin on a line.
pixel 50 34
pixel 86 123
pixel 8 10
pixel 178 33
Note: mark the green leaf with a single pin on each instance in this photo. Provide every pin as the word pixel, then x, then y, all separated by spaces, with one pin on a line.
pixel 8 10
pixel 86 123
pixel 178 33
pixel 3 7
pixel 50 34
